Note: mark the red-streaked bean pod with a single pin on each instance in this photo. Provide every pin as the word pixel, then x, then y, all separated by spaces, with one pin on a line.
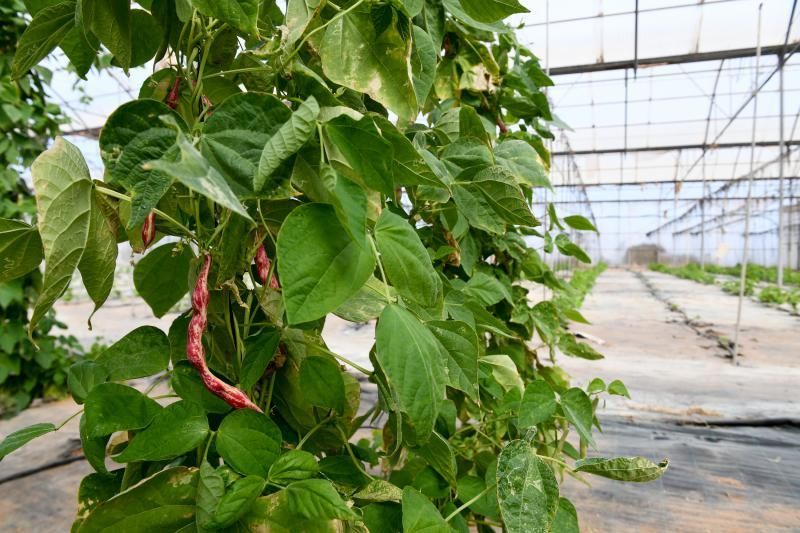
pixel 195 352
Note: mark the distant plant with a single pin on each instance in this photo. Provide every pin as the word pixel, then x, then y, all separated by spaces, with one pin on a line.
pixel 692 272
pixel 778 296
pixel 27 122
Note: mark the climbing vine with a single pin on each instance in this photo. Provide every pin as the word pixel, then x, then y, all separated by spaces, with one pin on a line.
pixel 369 159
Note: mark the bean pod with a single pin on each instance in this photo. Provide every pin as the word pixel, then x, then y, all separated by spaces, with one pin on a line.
pixel 195 352
pixel 149 229
pixel 263 266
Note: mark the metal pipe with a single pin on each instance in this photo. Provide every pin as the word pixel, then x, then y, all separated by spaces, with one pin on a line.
pixel 780 179
pixel 743 269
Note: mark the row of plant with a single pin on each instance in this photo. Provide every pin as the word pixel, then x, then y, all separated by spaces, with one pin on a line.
pixel 691 271
pixel 28 120
pixel 769 294
pixel 369 159
pixel 757 273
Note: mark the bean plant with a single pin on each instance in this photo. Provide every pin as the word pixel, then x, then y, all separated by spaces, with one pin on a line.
pixel 368 159
pixel 28 120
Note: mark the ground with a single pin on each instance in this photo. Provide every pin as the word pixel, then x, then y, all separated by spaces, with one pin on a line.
pixel 729 431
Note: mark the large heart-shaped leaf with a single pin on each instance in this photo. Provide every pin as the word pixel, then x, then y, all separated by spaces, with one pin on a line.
pixel 319 263
pixel 407 263
pixel 134 135
pixel 527 490
pixel 177 429
pixel 163 502
pixel 410 357
pixel 162 277
pixel 64 201
pixel 141 353
pixel 378 65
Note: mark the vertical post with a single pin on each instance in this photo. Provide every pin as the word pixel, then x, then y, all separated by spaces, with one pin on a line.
pixel 703 219
pixel 743 269
pixel 781 152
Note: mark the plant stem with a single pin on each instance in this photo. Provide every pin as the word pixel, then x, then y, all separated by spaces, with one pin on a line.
pixel 314 430
pixel 480 495
pixel 380 267
pixel 125 198
pixel 355 459
pixel 65 422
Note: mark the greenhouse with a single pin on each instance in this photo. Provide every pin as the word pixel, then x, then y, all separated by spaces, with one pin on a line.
pixel 399 265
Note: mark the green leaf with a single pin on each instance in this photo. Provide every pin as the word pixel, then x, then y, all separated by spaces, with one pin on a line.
pixel 148 37
pixel 566 520
pixel 423 63
pixel 237 500
pixel 571 346
pixel 20 249
pixel 294 465
pixel 379 490
pixel 316 499
pixel 366 304
pixel 210 489
pixel 162 278
pixel 298 15
pixel 99 259
pixel 195 172
pixel 351 204
pixel 177 429
pixel 110 21
pixel 135 134
pixel 538 404
pixel 491 10
pixel 235 134
pixel 637 469
pixel 407 263
pixel 454 7
pixel 317 283
pixel 419 514
pixel 383 517
pixel 249 442
pixel 163 502
pixel 438 453
pixel 520 158
pixel 617 387
pixel 187 384
pixel 83 376
pixel 408 353
pixel 503 195
pixel 503 370
pixel 527 490
pixel 23 436
pixel 260 350
pixel 94 448
pixel 364 149
pixel 113 407
pixel 63 198
pixel 241 14
pixel 570 249
pixel 580 223
pixel 487 289
pixel 469 487
pixel 596 385
pixel 46 30
pixel 409 166
pixel 577 409
pixel 322 383
pixel 142 352
pixel 378 65
pixel 459 345
pixel 287 140
pixel 81 49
